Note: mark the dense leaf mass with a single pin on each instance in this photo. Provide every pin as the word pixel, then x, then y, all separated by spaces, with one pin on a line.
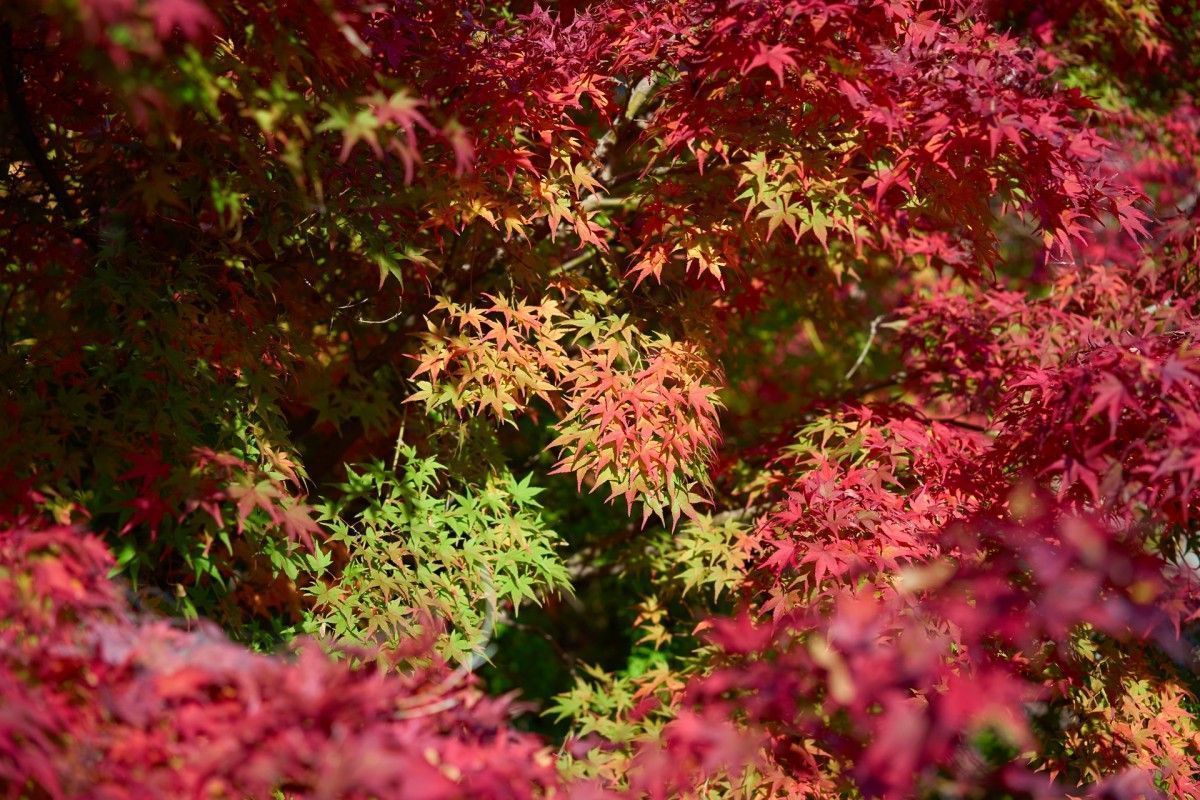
pixel 611 399
pixel 102 702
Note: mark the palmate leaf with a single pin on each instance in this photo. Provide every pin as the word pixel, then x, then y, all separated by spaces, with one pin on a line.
pixel 416 539
pixel 639 413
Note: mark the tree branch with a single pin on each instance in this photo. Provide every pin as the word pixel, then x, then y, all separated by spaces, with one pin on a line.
pixel 18 109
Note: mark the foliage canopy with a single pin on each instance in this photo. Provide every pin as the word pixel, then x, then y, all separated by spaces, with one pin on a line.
pixel 779 398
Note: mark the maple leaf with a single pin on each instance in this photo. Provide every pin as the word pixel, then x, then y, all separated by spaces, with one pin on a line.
pixel 191 17
pixel 924 28
pixel 355 125
pixel 1111 398
pixel 774 57
pixel 297 522
pixel 461 144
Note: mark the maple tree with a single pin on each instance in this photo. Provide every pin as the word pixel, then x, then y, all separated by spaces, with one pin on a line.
pixel 616 398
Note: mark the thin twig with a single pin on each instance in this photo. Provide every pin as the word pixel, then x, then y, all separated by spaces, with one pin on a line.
pixel 392 318
pixel 12 293
pixel 587 255
pixel 862 356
